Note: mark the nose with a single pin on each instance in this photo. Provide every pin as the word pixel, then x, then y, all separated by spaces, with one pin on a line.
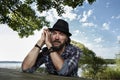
pixel 57 36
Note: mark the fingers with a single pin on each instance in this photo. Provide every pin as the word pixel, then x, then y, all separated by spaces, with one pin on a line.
pixel 47 37
pixel 43 36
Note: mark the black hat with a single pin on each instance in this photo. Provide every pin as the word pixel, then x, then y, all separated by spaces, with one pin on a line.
pixel 62 26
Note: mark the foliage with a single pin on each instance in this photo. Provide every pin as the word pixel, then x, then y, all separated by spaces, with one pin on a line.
pixel 22 18
pixel 118 61
pixel 41 70
pixel 109 74
pixel 78 44
pixel 89 62
pixel 110 61
pixel 93 66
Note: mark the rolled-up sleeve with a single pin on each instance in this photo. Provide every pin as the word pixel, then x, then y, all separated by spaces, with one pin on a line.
pixel 70 65
pixel 64 70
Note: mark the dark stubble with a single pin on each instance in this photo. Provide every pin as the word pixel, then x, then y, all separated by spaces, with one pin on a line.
pixel 60 47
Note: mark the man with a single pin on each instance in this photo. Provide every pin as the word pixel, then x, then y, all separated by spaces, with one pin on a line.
pixel 60 57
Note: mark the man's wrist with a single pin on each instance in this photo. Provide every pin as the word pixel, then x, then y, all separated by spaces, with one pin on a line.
pixel 39 43
pixel 36 45
pixel 51 49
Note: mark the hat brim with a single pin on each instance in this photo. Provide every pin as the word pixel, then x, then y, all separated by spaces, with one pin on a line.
pixel 67 33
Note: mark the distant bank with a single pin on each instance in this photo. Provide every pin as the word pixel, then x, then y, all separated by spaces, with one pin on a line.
pixel 10 64
pixel 10 61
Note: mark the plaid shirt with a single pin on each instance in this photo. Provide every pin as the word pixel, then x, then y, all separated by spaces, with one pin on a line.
pixel 71 57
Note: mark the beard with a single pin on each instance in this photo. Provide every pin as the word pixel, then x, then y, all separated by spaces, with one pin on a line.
pixel 59 47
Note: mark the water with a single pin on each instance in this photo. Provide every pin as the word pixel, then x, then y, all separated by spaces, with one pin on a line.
pixel 10 65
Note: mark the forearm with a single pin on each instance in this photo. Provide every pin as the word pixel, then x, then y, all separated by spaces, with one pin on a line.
pixel 57 60
pixel 30 59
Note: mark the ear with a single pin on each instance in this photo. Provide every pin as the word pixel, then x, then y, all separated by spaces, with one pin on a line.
pixel 67 40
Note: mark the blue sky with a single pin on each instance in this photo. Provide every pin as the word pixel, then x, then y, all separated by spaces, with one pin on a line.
pixel 96 26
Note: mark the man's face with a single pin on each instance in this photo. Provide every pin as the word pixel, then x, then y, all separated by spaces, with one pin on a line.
pixel 58 39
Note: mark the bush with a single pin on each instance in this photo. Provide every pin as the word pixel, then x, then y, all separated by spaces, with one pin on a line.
pixel 110 74
pixel 41 70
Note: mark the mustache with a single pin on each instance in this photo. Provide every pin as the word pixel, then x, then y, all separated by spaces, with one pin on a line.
pixel 57 41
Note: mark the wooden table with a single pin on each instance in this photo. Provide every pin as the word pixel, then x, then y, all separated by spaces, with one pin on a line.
pixel 14 74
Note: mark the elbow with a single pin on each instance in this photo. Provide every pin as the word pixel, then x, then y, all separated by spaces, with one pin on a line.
pixel 63 74
pixel 24 67
pixel 68 73
pixel 63 71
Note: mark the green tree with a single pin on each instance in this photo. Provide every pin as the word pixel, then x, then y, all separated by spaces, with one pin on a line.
pixel 92 64
pixel 19 15
pixel 89 62
pixel 118 61
pixel 111 72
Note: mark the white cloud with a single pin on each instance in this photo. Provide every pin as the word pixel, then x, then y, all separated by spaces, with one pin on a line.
pixel 68 13
pixel 94 17
pixel 118 39
pixel 116 17
pixel 76 32
pixel 107 5
pixel 105 26
pixel 84 19
pixel 113 17
pixel 12 47
pixel 99 49
pixel 6 30
pixel 78 17
pixel 104 52
pixel 98 40
pixel 86 15
pixel 88 24
pixel 89 12
pixel 52 14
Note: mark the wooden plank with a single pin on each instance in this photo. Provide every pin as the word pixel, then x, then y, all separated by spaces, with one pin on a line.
pixel 14 74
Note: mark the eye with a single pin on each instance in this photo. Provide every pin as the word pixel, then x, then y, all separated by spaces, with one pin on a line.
pixel 62 34
pixel 53 33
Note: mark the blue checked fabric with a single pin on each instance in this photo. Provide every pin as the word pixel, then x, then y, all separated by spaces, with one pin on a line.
pixel 71 57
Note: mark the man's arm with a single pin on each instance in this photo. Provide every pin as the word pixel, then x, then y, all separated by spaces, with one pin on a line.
pixel 70 65
pixel 57 60
pixel 30 59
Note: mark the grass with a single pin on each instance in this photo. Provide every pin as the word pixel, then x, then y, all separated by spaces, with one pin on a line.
pixel 109 74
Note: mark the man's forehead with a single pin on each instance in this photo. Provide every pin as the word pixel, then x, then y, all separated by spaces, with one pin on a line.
pixel 57 31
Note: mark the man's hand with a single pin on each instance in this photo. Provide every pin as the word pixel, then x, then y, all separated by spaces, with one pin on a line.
pixel 41 41
pixel 48 38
